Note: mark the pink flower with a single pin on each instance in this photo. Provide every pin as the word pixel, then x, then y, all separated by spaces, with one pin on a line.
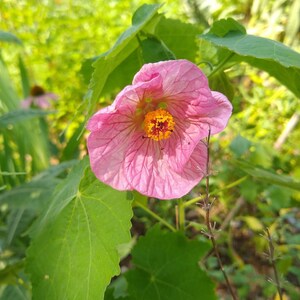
pixel 38 98
pixel 149 138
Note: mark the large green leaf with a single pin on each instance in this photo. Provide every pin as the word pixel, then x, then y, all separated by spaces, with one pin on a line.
pixel 79 235
pixel 271 56
pixel 125 45
pixel 179 37
pixel 166 267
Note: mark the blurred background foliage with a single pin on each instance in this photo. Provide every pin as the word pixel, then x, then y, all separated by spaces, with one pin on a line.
pixel 56 37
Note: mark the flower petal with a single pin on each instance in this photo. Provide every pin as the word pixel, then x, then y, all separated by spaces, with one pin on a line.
pixel 107 149
pixel 148 170
pixel 214 114
pixel 26 102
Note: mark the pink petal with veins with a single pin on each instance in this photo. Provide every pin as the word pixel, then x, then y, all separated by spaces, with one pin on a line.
pixel 123 157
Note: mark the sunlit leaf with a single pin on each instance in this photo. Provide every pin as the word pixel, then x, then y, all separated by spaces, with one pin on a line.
pixel 179 37
pixel 125 45
pixel 253 223
pixel 154 50
pixel 224 26
pixel 24 78
pixel 271 56
pixel 79 234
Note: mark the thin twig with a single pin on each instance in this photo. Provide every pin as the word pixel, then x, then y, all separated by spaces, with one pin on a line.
pixel 207 206
pixel 272 260
pixel 181 215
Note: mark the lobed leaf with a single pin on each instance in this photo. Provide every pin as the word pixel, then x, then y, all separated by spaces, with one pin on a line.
pixel 79 235
pixel 179 37
pixel 166 267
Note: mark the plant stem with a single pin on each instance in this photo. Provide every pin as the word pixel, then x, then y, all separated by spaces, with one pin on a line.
pixel 207 206
pixel 155 216
pixel 221 65
pixel 272 260
pixel 181 213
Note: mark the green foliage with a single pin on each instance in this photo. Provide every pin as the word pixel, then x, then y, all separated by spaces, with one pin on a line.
pixel 179 37
pixel 15 292
pixel 165 267
pixel 271 56
pixel 123 48
pixel 79 224
pixel 223 27
pixel 17 134
pixel 79 234
pixel 9 37
pixel 268 176
pixel 150 38
pixel 19 115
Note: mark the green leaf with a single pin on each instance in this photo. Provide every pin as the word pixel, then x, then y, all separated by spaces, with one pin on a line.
pixel 79 235
pixel 166 267
pixel 271 56
pixel 71 150
pixel 31 195
pixel 18 222
pixel 24 78
pixel 139 198
pixel 278 197
pixel 179 37
pixel 253 223
pixel 240 145
pixel 9 37
pixel 123 74
pixel 154 50
pixel 20 115
pixel 224 26
pixel 117 289
pixel 125 45
pixel 15 292
pixel 220 82
pixel 268 176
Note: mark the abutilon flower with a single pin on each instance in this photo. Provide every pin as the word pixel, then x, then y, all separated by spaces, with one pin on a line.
pixel 150 138
pixel 38 98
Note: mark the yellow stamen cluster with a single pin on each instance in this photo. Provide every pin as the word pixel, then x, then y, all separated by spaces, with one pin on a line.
pixel 159 124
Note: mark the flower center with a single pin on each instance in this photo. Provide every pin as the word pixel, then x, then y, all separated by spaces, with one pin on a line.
pixel 159 124
pixel 36 91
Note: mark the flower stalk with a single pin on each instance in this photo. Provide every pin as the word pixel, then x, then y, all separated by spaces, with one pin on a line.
pixel 211 235
pixel 272 261
pixel 181 213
